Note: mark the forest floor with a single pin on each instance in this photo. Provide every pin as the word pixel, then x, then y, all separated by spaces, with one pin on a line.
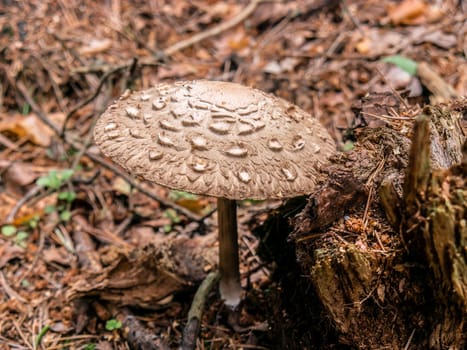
pixel 68 216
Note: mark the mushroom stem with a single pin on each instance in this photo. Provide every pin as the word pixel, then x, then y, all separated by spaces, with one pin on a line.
pixel 230 287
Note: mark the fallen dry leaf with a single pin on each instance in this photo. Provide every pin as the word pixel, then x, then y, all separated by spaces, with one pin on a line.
pixel 16 175
pixel 95 46
pixel 9 251
pixel 30 127
pixel 406 11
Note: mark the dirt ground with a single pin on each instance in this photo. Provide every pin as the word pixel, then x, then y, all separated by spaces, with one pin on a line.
pixel 75 226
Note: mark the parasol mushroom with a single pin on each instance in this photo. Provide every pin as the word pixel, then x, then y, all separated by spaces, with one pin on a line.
pixel 216 139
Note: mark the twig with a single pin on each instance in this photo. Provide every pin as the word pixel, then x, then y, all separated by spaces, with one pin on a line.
pixel 384 116
pixel 435 83
pixel 143 61
pixel 241 16
pixel 354 20
pixel 397 94
pixel 28 196
pixel 160 57
pixel 35 107
pixel 10 291
pixel 190 333
pixel 140 188
pixel 22 335
pixel 37 255
pixel 370 183
pixel 80 105
pixel 406 347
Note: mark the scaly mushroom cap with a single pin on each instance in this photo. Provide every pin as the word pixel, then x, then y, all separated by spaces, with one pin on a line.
pixel 215 138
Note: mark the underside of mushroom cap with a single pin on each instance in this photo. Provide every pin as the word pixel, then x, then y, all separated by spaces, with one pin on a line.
pixel 215 138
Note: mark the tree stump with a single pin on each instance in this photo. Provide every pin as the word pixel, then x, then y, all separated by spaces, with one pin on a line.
pixel 383 241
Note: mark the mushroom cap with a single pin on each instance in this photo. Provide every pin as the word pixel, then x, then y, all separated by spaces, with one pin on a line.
pixel 217 139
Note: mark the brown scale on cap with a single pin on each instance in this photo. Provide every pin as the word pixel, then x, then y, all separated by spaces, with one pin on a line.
pixel 215 138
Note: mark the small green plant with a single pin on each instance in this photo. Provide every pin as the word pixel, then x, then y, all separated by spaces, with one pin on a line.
pixel 19 236
pixel 9 230
pixel 173 217
pixel 54 181
pixel 89 346
pixel 26 109
pixel 348 146
pixel 113 324
pixel 175 195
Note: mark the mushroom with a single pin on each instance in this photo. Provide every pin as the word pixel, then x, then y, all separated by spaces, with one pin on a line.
pixel 216 139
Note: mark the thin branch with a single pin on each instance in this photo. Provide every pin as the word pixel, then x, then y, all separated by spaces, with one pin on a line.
pixel 190 333
pixel 134 183
pixel 241 16
pixel 159 57
pixel 34 191
pixel 35 107
pixel 83 103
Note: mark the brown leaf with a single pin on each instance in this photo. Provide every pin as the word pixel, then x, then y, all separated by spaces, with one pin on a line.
pixel 9 251
pixel 407 11
pixel 195 205
pixel 16 175
pixel 137 280
pixel 58 255
pixel 30 127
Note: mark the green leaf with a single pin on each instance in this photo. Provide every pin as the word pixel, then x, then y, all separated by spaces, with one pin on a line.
pixel 172 215
pixel 89 346
pixel 66 174
pixel 43 181
pixel 8 230
pixel 25 283
pixel 113 324
pixel 404 63
pixel 20 239
pixel 68 196
pixel 32 223
pixel 65 215
pixel 55 179
pixel 49 209
pixel 50 180
pixel 177 195
pixel 348 146
pixel 21 236
pixel 41 334
pixel 26 109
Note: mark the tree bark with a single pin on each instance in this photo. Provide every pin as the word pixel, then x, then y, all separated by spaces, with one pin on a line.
pixel 383 240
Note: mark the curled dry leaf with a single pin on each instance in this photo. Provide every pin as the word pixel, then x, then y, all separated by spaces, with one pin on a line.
pixel 31 127
pixel 17 173
pixel 8 252
pixel 413 12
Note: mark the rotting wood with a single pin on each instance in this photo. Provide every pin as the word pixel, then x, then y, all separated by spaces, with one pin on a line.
pixel 439 239
pixel 417 176
pixel 147 277
pixel 417 285
pixel 435 83
pixel 137 334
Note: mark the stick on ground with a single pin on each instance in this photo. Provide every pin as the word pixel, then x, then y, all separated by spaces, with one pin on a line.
pixel 190 333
